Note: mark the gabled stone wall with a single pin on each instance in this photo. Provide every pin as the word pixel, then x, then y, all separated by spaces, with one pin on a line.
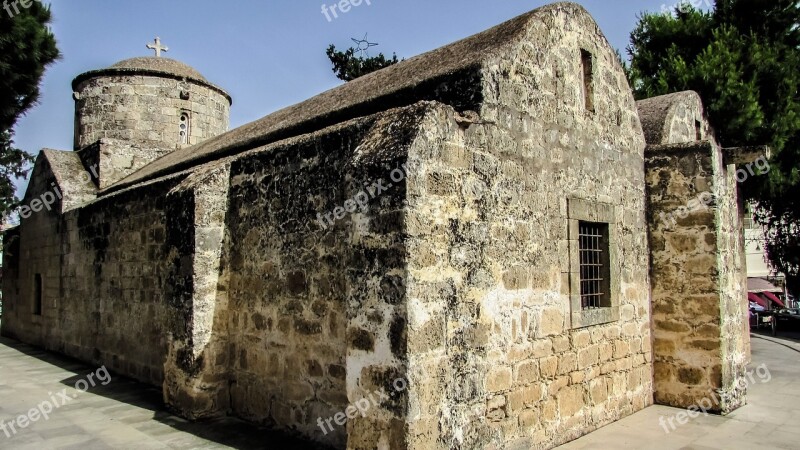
pixel 697 259
pixel 495 358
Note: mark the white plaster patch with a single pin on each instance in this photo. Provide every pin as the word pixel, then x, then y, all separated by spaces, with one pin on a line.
pixel 417 313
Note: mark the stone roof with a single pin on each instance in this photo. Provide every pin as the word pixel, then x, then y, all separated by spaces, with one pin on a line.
pixel 658 150
pixel 72 178
pixel 150 65
pixel 656 114
pixel 451 75
pixel 157 64
pixel 66 165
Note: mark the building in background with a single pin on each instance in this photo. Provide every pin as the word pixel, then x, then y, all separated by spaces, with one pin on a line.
pixel 763 280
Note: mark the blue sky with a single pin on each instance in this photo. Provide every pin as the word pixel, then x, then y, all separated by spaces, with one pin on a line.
pixel 267 54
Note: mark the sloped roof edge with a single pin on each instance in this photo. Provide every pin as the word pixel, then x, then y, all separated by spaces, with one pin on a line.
pixel 418 78
pixel 655 113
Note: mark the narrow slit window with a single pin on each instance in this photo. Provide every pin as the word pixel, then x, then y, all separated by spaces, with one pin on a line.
pixel 698 126
pixel 37 294
pixel 184 127
pixel 587 62
pixel 594 265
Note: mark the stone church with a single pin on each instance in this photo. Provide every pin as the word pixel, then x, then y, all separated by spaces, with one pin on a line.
pixel 465 250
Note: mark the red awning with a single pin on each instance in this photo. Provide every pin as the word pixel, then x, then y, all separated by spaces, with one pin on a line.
pixel 754 298
pixel 774 298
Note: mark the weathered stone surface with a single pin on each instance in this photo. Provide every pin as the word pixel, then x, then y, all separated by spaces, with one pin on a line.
pixel 524 301
pixel 696 240
pixel 407 240
pixel 138 103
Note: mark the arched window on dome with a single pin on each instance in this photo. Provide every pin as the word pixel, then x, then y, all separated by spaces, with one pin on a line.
pixel 185 127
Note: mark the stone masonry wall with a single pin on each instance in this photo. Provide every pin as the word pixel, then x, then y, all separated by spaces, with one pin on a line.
pixel 494 360
pixel 286 291
pixel 10 280
pixel 734 306
pixel 114 159
pixel 379 308
pixel 687 123
pixel 106 269
pixel 36 249
pixel 147 109
pixel 696 275
pixel 686 304
pixel 116 272
pixel 197 368
pixel 315 309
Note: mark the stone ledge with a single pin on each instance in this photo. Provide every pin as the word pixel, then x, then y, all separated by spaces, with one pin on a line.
pixel 587 210
pixel 590 317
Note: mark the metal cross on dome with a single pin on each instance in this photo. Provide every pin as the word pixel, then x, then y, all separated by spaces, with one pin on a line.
pixel 363 45
pixel 158 47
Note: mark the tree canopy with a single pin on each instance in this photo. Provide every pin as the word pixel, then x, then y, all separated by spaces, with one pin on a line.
pixel 347 66
pixel 27 47
pixel 743 58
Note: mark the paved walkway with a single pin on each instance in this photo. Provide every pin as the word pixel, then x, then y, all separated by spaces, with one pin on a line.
pixel 127 415
pixel 123 414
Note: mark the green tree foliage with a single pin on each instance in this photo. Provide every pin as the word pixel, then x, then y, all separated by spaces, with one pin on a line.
pixel 743 58
pixel 347 66
pixel 27 47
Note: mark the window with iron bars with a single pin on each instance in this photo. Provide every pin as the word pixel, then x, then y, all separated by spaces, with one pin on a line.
pixel 594 265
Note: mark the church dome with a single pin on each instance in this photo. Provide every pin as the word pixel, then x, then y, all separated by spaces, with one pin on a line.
pixel 166 66
pixel 151 66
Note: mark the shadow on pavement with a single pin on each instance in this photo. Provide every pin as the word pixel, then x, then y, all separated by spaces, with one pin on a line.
pixel 227 431
pixel 788 339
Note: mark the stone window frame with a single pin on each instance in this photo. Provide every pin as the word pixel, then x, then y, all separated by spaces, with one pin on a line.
pixel 188 130
pixel 581 210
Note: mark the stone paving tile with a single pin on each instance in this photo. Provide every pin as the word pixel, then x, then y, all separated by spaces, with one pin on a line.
pixel 70 430
pixel 770 420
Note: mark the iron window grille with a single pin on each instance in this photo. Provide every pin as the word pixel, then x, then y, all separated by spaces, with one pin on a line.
pixel 594 265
